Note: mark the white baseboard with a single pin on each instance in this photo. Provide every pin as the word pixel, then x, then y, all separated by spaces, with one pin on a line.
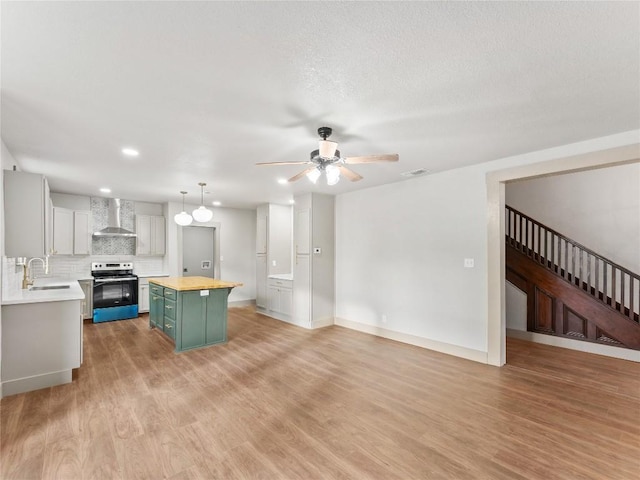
pixel 589 347
pixel 27 384
pixel 322 322
pixel 241 303
pixel 449 349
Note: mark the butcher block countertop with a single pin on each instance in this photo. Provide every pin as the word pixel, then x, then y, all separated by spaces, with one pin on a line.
pixel 193 283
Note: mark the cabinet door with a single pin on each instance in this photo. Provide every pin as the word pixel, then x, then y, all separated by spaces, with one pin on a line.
pixel 261 234
pixel 302 232
pixel 302 290
pixel 217 315
pixel 156 310
pixel 143 298
pixel 286 301
pixel 87 303
pixel 192 321
pixel 261 281
pixel 274 299
pixel 143 234
pixel 81 233
pixel 62 231
pixel 158 234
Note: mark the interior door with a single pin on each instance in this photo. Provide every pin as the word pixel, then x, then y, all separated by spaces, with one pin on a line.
pixel 198 252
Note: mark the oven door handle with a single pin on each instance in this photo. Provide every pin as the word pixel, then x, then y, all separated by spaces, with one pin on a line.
pixel 113 280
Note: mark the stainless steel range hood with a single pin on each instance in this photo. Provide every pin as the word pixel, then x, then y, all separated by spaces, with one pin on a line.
pixel 114 229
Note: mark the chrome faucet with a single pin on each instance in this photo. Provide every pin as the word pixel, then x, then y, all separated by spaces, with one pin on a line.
pixel 27 281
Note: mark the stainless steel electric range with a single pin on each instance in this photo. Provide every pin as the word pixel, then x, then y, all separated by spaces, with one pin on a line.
pixel 115 292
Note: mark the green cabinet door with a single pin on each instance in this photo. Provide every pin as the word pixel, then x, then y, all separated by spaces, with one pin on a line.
pixel 216 331
pixel 192 320
pixel 156 310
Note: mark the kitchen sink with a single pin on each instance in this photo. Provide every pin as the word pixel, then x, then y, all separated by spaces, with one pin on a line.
pixel 50 287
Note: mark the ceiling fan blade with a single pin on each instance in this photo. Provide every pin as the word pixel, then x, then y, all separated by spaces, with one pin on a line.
pixel 301 174
pixel 283 163
pixel 373 158
pixel 350 174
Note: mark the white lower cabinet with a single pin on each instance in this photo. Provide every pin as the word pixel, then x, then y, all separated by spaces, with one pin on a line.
pixel 86 305
pixel 261 282
pixel 280 298
pixel 143 295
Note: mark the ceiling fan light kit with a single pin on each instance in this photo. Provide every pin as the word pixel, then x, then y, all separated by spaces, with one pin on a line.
pixel 327 159
pixel 183 218
pixel 202 214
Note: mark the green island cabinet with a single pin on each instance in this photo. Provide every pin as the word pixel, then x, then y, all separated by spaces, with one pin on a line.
pixel 192 311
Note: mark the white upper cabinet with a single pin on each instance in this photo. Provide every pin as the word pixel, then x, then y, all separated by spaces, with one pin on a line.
pixel 71 232
pixel 81 232
pixel 302 233
pixel 261 229
pixel 62 231
pixel 27 217
pixel 151 233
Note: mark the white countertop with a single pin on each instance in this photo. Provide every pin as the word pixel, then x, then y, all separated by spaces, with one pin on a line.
pixel 74 292
pixel 282 276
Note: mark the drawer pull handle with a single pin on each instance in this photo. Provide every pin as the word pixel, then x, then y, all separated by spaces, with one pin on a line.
pixel 169 307
pixel 168 326
pixel 156 298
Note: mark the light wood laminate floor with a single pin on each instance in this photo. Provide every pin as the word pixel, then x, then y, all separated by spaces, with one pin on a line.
pixel 281 402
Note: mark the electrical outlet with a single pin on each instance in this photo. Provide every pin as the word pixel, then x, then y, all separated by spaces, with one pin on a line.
pixel 384 319
pixel 221 258
pixel 273 263
pixel 469 263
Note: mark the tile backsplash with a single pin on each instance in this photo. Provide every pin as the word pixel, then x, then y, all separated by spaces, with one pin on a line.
pixel 100 217
pixel 74 267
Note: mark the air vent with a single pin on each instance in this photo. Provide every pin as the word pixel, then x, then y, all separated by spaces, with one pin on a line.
pixel 415 173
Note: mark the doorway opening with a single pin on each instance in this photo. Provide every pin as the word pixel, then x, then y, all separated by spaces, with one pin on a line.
pixel 496 325
pixel 199 252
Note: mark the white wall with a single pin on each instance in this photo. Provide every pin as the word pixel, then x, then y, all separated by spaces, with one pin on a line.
pixel 7 162
pixel 400 249
pixel 237 243
pixel 598 208
pixel 516 307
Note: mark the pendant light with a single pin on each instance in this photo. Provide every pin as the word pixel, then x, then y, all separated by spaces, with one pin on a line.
pixel 183 218
pixel 202 214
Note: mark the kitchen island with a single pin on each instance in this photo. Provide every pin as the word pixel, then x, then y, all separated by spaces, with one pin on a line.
pixel 192 311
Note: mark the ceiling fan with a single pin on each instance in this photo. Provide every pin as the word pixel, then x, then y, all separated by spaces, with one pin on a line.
pixel 327 159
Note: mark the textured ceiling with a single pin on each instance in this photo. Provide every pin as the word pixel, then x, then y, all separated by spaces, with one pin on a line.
pixel 206 89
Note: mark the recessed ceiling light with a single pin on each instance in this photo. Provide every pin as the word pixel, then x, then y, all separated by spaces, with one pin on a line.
pixel 130 152
pixel 216 203
pixel 105 190
pixel 283 181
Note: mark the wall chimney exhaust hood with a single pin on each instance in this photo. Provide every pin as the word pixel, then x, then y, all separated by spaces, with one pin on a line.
pixel 113 228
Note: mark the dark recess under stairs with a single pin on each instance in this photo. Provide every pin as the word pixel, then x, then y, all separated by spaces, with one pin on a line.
pixel 571 291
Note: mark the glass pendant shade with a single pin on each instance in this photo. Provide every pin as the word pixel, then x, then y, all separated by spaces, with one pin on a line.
pixel 202 214
pixel 314 175
pixel 327 149
pixel 333 174
pixel 183 218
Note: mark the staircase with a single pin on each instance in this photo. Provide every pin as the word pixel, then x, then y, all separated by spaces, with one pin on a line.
pixel 571 291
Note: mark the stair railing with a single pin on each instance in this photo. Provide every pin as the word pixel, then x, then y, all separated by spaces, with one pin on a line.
pixel 605 280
